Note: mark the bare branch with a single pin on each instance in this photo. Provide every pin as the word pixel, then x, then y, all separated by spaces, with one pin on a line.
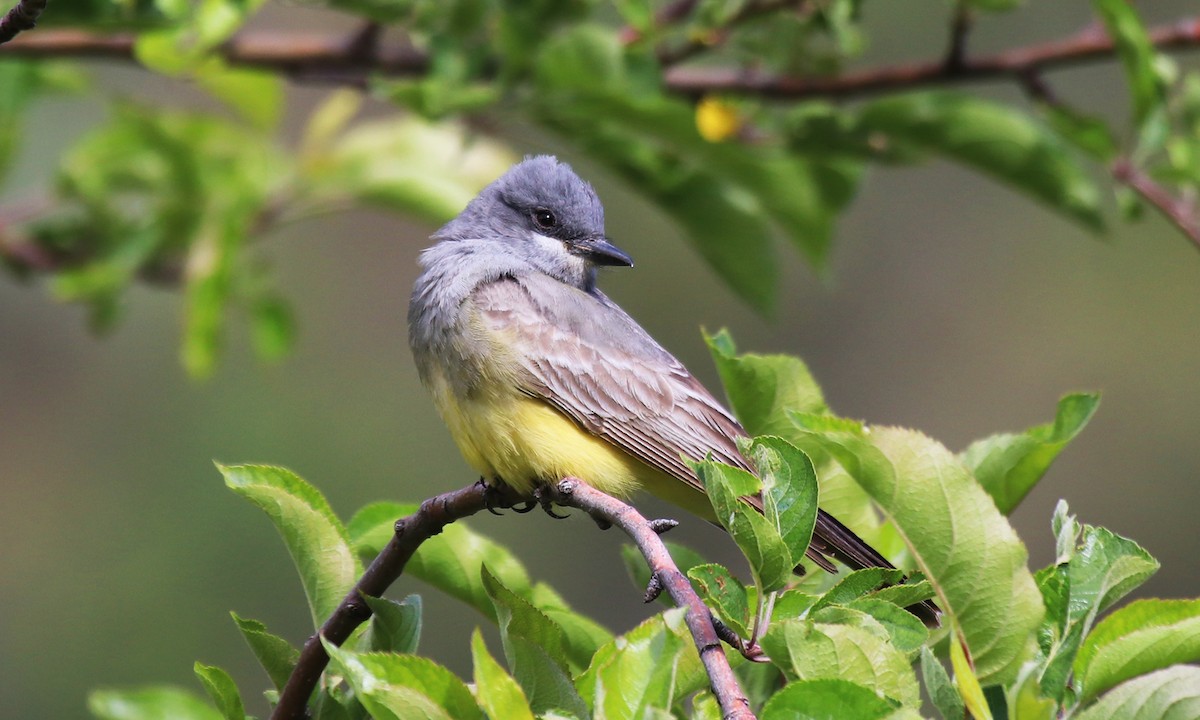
pixel 434 514
pixel 1088 45
pixel 23 16
pixel 1181 212
pixel 572 492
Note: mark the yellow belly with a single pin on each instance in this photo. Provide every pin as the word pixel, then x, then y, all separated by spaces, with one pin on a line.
pixel 508 436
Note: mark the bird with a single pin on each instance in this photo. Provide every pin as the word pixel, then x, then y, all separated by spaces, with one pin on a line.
pixel 540 376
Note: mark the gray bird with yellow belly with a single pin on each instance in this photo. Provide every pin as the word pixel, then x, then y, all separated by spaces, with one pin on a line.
pixel 540 376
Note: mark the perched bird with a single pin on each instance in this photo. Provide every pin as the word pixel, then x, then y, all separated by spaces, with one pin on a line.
pixel 540 376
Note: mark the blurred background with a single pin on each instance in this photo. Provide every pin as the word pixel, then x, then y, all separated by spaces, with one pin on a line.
pixel 953 306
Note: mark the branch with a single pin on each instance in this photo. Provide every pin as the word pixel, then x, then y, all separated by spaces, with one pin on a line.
pixel 331 59
pixel 434 514
pixel 1088 45
pixel 664 574
pixel 1180 212
pixel 23 16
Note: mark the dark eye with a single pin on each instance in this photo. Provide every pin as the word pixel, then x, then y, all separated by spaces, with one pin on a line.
pixel 544 218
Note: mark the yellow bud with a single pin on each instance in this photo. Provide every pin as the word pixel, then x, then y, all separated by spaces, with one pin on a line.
pixel 716 120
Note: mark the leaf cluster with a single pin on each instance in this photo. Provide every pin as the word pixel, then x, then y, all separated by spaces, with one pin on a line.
pixel 1019 644
pixel 183 198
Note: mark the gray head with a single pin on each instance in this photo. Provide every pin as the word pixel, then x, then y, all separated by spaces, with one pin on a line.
pixel 539 213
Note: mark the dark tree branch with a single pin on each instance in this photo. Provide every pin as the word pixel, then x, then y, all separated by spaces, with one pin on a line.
pixel 330 59
pixel 23 16
pixel 1088 45
pixel 575 493
pixel 435 513
pixel 1181 212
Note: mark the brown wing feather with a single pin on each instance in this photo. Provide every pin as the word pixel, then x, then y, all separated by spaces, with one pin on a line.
pixel 587 358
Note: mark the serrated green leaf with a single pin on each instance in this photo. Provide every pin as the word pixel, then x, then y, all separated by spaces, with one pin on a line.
pixel 829 698
pixel 276 655
pixel 941 690
pixel 906 594
pixel 151 703
pixel 724 594
pixel 637 671
pixel 805 650
pixel 395 626
pixel 960 542
pixel 222 690
pixel 1105 568
pixel 404 687
pixel 770 560
pixel 1137 54
pixel 497 692
pixel 857 584
pixel 904 629
pixel 763 388
pixel 1169 694
pixel 1008 465
pixel 1144 636
pixel 993 139
pixel 315 538
pixel 789 490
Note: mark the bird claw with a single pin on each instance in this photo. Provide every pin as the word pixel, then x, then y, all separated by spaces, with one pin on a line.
pixel 524 507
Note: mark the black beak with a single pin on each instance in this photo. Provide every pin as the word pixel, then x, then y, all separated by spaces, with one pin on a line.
pixel 601 252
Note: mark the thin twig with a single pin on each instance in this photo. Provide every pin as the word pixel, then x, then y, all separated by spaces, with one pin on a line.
pixel 23 16
pixel 575 493
pixel 1179 211
pixel 433 515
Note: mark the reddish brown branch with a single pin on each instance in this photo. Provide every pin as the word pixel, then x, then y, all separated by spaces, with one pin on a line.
pixel 324 58
pixel 1086 46
pixel 1179 211
pixel 575 493
pixel 23 16
pixel 434 514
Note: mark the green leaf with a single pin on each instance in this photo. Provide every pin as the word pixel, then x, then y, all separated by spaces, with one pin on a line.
pixel 805 650
pixel 222 690
pixel 857 584
pixel 827 699
pixel 1088 133
pixel 1143 636
pixel 637 672
pixel 1169 694
pixel 770 560
pixel 498 694
pixel 789 490
pixel 1024 697
pixel 941 690
pixel 967 681
pixel 256 95
pixel 1137 54
pixel 274 328
pixel 904 629
pixel 535 647
pixel 724 594
pixel 1008 466
pixel 152 703
pixel 1105 568
pixel 276 655
pixel 395 626
pixel 993 139
pixel 763 388
pixel 959 540
pixel 909 593
pixel 405 164
pixel 404 687
pixel 315 538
